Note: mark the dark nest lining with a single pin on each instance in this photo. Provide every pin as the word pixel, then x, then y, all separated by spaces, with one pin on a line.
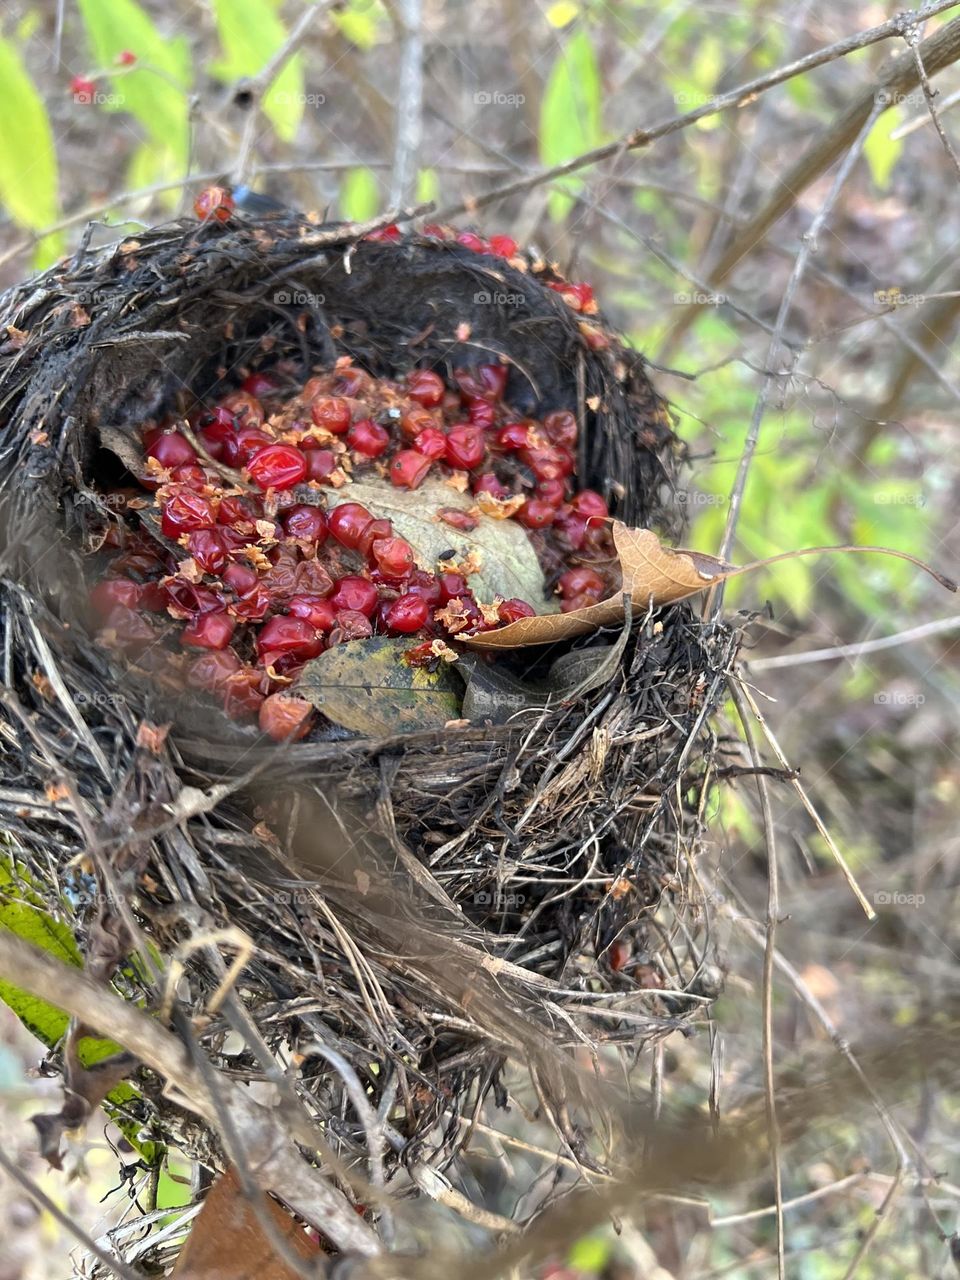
pixel 425 906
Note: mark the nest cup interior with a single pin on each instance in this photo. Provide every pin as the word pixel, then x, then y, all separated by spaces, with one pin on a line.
pixel 553 837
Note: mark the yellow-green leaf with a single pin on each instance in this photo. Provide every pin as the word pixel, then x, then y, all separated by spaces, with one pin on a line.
pixel 562 13
pixel 570 115
pixel 882 151
pixel 28 160
pixel 359 195
pixel 369 687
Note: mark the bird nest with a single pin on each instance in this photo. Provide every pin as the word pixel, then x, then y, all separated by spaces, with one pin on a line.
pixel 401 916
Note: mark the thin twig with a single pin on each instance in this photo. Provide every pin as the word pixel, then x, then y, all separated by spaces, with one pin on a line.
pixel 409 114
pixel 769 954
pixel 912 38
pixel 939 627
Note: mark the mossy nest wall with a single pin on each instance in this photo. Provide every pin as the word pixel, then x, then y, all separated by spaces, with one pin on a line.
pixel 429 904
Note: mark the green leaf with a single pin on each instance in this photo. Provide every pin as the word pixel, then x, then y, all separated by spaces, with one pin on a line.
pixel 359 23
pixel 428 186
pixel 570 114
pixel 508 564
pixel 154 91
pixel 562 13
pixel 881 151
pixel 28 159
pixel 250 33
pixel 359 195
pixel 369 687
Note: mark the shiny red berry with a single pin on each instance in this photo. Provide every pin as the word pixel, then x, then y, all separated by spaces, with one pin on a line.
pixel 209 631
pixel 489 483
pixel 184 511
pixel 332 413
pixel 548 461
pixel 432 443
pixel 215 203
pixel 212 669
pixel 409 468
pixel 208 548
pixel 484 382
pixel 321 463
pixel 320 613
pixel 172 450
pixel 466 446
pixel 452 586
pixel 306 522
pixel 389 235
pixel 515 435
pixel 576 581
pixel 552 491
pixel 245 408
pixel 407 614
pixel 482 413
pixel 351 625
pixel 374 531
pixel 561 428
pixel 537 514
pixel 351 382
pixel 513 610
pixel 356 593
pixel 471 241
pixel 83 89
pixel 285 718
pixel 394 557
pixel 426 387
pixel 415 420
pixel 503 246
pixel 245 445
pixel 368 438
pixel 592 506
pixel 288 635
pixel 260 384
pixel 347 523
pixel 106 595
pixel 278 466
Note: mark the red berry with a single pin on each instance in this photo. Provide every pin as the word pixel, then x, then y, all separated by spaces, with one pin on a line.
pixel 83 89
pixel 234 510
pixel 452 586
pixel 131 629
pixel 351 625
pixel 503 246
pixel 407 614
pixel 368 438
pixel 351 382
pixel 219 437
pixel 426 387
pixel 394 557
pixel 515 435
pixel 332 413
pixel 355 593
pixel 466 446
pixel 208 549
pixel 187 599
pixel 619 954
pixel 251 605
pixel 259 385
pixel 485 382
pixel 347 523
pixel 432 443
pixel 106 595
pixel 208 631
pixel 416 420
pixel 537 514
pixel 184 511
pixel 374 531
pixel 425 585
pixel 321 463
pixel 482 413
pixel 285 718
pixel 243 406
pixel 436 231
pixel 513 610
pixel 213 202
pixel 241 693
pixel 172 450
pixel 548 462
pixel 245 444
pixel 212 669
pixel 390 234
pixel 125 58
pixel 576 581
pixel 572 530
pixel 561 428
pixel 288 635
pixel 409 468
pixel 306 522
pixel 552 491
pixel 320 613
pixel 278 466
pixel 471 241
pixel 585 600
pixel 489 483
pixel 591 506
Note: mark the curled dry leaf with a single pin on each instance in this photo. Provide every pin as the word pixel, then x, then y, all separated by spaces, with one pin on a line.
pixel 653 573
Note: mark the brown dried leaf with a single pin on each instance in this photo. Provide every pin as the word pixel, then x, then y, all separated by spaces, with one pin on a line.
pixel 652 573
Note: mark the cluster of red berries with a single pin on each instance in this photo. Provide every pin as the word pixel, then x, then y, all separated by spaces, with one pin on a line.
pixel 84 88
pixel 262 568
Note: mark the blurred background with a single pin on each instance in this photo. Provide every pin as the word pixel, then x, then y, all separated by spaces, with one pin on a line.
pixel 117 113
